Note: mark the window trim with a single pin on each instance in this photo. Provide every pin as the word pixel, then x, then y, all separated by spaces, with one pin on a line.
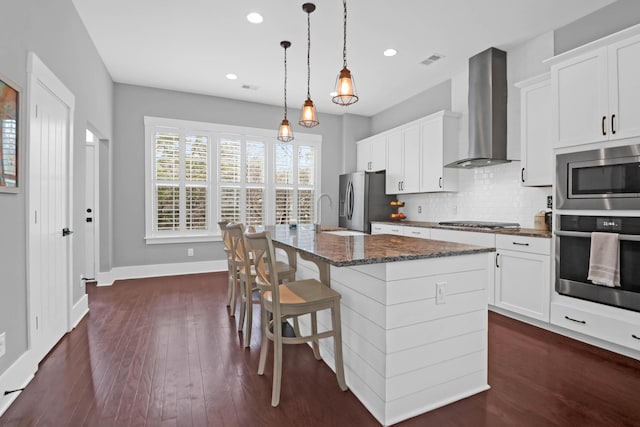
pixel 216 131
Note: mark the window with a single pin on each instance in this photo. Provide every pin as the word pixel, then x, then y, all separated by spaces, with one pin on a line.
pixel 200 173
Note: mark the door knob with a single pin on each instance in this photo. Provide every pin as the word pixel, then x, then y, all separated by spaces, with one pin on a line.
pixel 66 231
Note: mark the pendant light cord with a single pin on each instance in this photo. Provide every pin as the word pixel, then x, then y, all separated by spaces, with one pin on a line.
pixel 285 83
pixel 344 49
pixel 308 55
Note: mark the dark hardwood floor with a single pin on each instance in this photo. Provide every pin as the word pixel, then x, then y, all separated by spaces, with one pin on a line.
pixel 164 352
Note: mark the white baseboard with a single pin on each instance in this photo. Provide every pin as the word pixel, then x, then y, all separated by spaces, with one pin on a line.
pixel 157 270
pixel 16 377
pixel 79 310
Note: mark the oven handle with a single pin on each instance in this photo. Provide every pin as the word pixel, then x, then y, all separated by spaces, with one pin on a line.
pixel 561 233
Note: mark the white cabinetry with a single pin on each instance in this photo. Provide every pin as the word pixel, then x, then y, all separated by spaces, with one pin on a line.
pixel 439 146
pixel 381 228
pixel 605 326
pixel 418 232
pixel 472 238
pixel 595 90
pixel 535 131
pixel 523 275
pixel 403 160
pixel 371 153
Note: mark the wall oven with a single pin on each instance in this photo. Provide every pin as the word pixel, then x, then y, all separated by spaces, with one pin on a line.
pixel 607 178
pixel 573 243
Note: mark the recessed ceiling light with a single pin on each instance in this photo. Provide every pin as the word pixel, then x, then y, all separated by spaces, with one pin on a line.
pixel 254 18
pixel 332 94
pixel 390 52
pixel 231 76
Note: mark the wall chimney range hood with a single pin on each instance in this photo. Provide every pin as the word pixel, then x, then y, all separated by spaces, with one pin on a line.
pixel 487 110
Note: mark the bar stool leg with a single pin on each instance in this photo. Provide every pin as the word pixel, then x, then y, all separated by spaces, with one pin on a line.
pixel 337 345
pixel 314 332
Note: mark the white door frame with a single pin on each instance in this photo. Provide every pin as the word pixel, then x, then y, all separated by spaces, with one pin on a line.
pixel 40 74
pixel 95 171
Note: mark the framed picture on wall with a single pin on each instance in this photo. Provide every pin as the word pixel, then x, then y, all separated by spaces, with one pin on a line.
pixel 9 135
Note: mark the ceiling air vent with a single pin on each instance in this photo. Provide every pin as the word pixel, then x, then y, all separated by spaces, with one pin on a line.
pixel 433 58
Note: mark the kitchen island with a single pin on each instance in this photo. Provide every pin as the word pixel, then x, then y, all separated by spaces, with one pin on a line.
pixel 414 315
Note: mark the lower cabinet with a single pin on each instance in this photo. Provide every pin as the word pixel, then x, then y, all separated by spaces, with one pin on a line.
pixel 625 332
pixel 382 228
pixel 523 274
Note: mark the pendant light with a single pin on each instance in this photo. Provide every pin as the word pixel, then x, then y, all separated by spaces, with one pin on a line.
pixel 285 134
pixel 308 117
pixel 345 85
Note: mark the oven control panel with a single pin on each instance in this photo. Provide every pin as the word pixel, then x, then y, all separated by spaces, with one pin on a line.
pixel 608 224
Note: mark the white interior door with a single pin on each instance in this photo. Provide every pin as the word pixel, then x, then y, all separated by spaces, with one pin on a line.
pixel 51 112
pixel 90 206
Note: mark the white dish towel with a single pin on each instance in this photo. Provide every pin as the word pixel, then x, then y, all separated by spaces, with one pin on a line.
pixel 604 259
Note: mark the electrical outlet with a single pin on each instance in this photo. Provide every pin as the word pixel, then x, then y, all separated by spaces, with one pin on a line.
pixel 3 343
pixel 190 252
pixel 440 292
pixel 549 202
pixel 419 209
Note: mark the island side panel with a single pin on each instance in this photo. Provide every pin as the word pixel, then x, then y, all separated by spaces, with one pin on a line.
pixel 405 354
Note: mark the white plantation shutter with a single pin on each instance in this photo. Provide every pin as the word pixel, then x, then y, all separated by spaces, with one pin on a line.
pixel 257 180
pixel 181 182
pixel 284 205
pixel 305 206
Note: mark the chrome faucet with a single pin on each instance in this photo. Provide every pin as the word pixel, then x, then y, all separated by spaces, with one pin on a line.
pixel 319 210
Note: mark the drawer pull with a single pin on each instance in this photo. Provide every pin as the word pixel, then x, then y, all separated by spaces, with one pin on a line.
pixel 635 336
pixel 575 320
pixel 415 232
pixel 520 244
pixel 497 265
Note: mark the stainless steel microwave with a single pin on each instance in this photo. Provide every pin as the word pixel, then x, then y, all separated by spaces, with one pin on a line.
pixel 608 178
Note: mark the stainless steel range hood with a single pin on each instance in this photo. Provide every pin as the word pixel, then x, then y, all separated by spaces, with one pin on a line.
pixel 487 110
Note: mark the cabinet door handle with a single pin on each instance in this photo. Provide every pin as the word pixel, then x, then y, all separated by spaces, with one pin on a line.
pixel 582 322
pixel 635 336
pixel 440 182
pixel 522 174
pixel 520 244
pixel 613 126
pixel 497 265
pixel 604 118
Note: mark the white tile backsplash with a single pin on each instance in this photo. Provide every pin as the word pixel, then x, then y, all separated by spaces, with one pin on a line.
pixel 491 193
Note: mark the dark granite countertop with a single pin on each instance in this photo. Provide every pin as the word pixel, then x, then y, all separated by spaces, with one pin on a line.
pixel 342 251
pixel 528 232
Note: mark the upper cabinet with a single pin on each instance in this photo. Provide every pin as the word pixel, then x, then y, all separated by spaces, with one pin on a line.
pixel 595 89
pixel 414 154
pixel 535 131
pixel 371 153
pixel 439 133
pixel 403 160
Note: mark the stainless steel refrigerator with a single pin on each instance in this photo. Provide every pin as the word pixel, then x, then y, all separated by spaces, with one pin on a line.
pixel 362 200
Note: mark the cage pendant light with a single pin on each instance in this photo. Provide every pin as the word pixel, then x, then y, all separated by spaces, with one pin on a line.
pixel 345 84
pixel 308 116
pixel 285 134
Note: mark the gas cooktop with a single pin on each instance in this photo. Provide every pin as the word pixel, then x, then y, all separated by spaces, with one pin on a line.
pixel 479 224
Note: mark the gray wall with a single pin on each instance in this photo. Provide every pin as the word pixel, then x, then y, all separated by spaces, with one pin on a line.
pixel 54 31
pixel 610 19
pixel 429 101
pixel 132 103
pixel 354 128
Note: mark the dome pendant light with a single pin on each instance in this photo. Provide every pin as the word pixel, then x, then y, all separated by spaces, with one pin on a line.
pixel 285 134
pixel 345 85
pixel 308 117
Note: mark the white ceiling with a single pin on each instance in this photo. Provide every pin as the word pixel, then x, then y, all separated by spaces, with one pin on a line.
pixel 189 45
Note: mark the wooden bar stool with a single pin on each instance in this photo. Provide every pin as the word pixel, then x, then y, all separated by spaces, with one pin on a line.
pixel 246 278
pixel 232 269
pixel 288 300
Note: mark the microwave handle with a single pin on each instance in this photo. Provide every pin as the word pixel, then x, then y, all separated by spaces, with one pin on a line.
pixel 628 237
